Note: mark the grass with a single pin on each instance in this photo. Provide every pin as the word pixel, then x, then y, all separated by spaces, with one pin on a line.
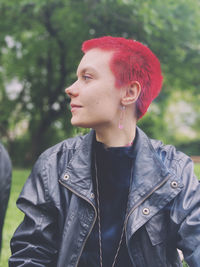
pixel 14 216
pixel 197 170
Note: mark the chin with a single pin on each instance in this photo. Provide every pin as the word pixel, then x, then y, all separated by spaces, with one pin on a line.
pixel 80 124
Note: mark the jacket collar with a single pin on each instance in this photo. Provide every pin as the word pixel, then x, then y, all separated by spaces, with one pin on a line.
pixel 148 169
pixel 78 175
pixel 152 185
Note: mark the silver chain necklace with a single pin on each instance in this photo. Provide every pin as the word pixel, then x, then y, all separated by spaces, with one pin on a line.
pixel 99 220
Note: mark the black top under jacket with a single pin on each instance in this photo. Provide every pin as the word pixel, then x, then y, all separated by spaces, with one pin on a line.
pixel 114 176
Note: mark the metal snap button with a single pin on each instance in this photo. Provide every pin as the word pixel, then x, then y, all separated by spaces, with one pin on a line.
pixel 92 195
pixel 66 176
pixel 145 211
pixel 174 184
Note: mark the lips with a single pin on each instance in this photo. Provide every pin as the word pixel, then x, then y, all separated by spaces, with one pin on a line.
pixel 75 107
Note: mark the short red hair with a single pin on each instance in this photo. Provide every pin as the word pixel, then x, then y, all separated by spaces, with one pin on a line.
pixel 132 61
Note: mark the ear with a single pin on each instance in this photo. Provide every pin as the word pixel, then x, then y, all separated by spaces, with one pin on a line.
pixel 131 93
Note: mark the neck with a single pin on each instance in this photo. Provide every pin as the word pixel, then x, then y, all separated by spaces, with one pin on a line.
pixel 116 137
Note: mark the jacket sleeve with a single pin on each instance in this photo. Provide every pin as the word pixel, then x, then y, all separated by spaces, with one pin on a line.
pixel 5 183
pixel 35 242
pixel 187 215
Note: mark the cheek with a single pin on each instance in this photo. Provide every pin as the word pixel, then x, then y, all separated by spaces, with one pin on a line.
pixel 93 100
pixel 102 96
pixel 97 102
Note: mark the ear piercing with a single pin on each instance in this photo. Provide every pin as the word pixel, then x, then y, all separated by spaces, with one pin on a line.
pixel 121 118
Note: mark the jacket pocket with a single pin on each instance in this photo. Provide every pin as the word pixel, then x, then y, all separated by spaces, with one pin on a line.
pixel 157 228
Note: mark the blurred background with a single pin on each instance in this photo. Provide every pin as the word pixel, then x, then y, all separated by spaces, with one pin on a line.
pixel 40 44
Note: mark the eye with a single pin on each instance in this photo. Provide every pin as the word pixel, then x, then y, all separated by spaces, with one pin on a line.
pixel 86 77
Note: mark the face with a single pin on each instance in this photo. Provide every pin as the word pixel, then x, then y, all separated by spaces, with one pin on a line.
pixel 95 101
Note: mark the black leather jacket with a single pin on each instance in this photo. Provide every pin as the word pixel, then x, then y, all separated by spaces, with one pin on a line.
pixel 5 182
pixel 60 210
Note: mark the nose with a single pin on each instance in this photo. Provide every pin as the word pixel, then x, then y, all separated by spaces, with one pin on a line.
pixel 72 90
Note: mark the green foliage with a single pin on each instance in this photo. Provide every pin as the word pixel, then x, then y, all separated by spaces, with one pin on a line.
pixel 40 44
pixel 197 170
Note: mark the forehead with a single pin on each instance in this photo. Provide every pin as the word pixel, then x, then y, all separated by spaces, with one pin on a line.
pixel 96 59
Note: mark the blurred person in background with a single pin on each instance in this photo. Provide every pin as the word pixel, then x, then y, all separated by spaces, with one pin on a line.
pixel 5 183
pixel 113 197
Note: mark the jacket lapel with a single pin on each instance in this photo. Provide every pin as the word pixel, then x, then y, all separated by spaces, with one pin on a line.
pixel 78 174
pixel 151 188
pixel 151 182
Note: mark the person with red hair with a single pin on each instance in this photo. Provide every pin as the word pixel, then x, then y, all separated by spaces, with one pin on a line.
pixel 113 197
pixel 132 61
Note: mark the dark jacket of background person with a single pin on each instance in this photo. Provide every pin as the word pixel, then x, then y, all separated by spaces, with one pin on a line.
pixel 5 183
pixel 59 205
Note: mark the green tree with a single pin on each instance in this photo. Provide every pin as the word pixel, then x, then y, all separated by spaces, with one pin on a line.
pixel 40 49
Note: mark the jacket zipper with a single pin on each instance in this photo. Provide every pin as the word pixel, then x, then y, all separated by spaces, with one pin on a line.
pixel 93 220
pixel 140 202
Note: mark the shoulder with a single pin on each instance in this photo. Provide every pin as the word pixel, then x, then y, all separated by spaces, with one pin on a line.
pixel 58 156
pixel 52 163
pixel 168 154
pixel 3 153
pixel 5 162
pixel 48 169
pixel 66 145
pixel 171 157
